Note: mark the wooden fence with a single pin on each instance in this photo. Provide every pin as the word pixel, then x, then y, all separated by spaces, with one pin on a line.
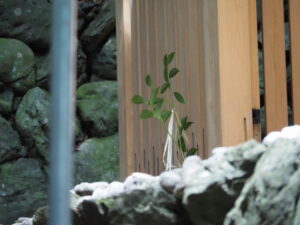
pixel 216 52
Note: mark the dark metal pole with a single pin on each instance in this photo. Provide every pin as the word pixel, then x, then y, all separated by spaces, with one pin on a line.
pixel 62 109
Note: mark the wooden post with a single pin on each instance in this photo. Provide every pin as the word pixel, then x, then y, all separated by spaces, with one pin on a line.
pixel 295 56
pixel 274 65
pixel 228 71
pixel 123 12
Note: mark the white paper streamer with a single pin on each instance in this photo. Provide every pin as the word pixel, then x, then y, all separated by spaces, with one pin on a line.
pixel 168 149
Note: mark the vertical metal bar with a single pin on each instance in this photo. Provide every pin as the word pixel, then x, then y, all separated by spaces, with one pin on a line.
pixel 62 108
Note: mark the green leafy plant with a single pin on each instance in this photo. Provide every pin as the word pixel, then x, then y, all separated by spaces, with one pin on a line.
pixel 160 107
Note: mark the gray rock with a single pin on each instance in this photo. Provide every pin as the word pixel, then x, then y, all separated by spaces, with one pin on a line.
pixel 26 20
pixel 147 206
pixel 22 189
pixel 86 188
pixel 103 65
pixel 97 159
pixel 100 28
pixel 6 102
pixel 24 84
pixel 212 185
pixel 170 179
pixel 23 221
pixel 271 195
pixel 16 60
pixel 41 216
pixel 98 108
pixel 10 144
pixel 32 120
pixel 43 69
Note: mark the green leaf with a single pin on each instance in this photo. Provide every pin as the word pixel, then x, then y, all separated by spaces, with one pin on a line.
pixel 166 60
pixel 191 151
pixel 146 114
pixel 170 58
pixel 157 114
pixel 181 144
pixel 164 87
pixel 173 72
pixel 158 103
pixel 187 125
pixel 148 80
pixel 166 74
pixel 165 115
pixel 136 99
pixel 153 95
pixel 179 97
pixel 183 120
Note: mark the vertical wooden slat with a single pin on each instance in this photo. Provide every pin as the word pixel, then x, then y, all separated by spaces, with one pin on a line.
pixel 210 46
pixel 123 9
pixel 143 48
pixel 154 126
pixel 274 65
pixel 139 79
pixel 135 87
pixel 235 71
pixel 198 97
pixel 254 65
pixel 295 56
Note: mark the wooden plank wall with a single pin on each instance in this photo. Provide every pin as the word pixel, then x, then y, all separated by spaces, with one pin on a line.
pixel 274 64
pixel 146 31
pixel 214 42
pixel 275 71
pixel 295 56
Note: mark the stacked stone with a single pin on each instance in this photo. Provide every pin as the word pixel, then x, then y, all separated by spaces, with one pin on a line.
pixel 24 101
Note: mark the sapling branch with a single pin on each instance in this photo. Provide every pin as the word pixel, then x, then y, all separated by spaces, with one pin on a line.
pixel 161 108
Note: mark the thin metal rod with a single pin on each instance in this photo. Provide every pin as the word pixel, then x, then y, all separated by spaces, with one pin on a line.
pixel 62 109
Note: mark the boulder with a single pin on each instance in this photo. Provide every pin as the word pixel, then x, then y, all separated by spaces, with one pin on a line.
pixel 17 63
pixel 100 28
pixel 6 102
pixel 211 186
pixel 10 144
pixel 28 21
pixel 23 188
pixel 97 105
pixel 32 120
pixel 43 69
pixel 23 221
pixel 272 194
pixel 103 65
pixel 145 202
pixel 97 159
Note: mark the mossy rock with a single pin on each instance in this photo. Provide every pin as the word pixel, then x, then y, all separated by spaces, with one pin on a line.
pixel 97 104
pixel 97 159
pixel 23 189
pixel 17 62
pixel 10 144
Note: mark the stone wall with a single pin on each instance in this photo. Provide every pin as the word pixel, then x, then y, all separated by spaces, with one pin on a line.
pixel 24 101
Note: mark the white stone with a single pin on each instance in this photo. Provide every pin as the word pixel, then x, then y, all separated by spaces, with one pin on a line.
pixel 169 179
pixel 191 160
pixel 115 189
pixel 90 187
pixel 139 181
pixel 290 132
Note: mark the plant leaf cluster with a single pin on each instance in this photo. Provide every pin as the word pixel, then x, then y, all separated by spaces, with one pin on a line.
pixel 157 105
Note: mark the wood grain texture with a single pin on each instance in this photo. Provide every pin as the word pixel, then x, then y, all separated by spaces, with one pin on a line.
pixel 235 71
pixel 123 9
pixel 295 56
pixel 274 65
pixel 254 65
pixel 213 41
